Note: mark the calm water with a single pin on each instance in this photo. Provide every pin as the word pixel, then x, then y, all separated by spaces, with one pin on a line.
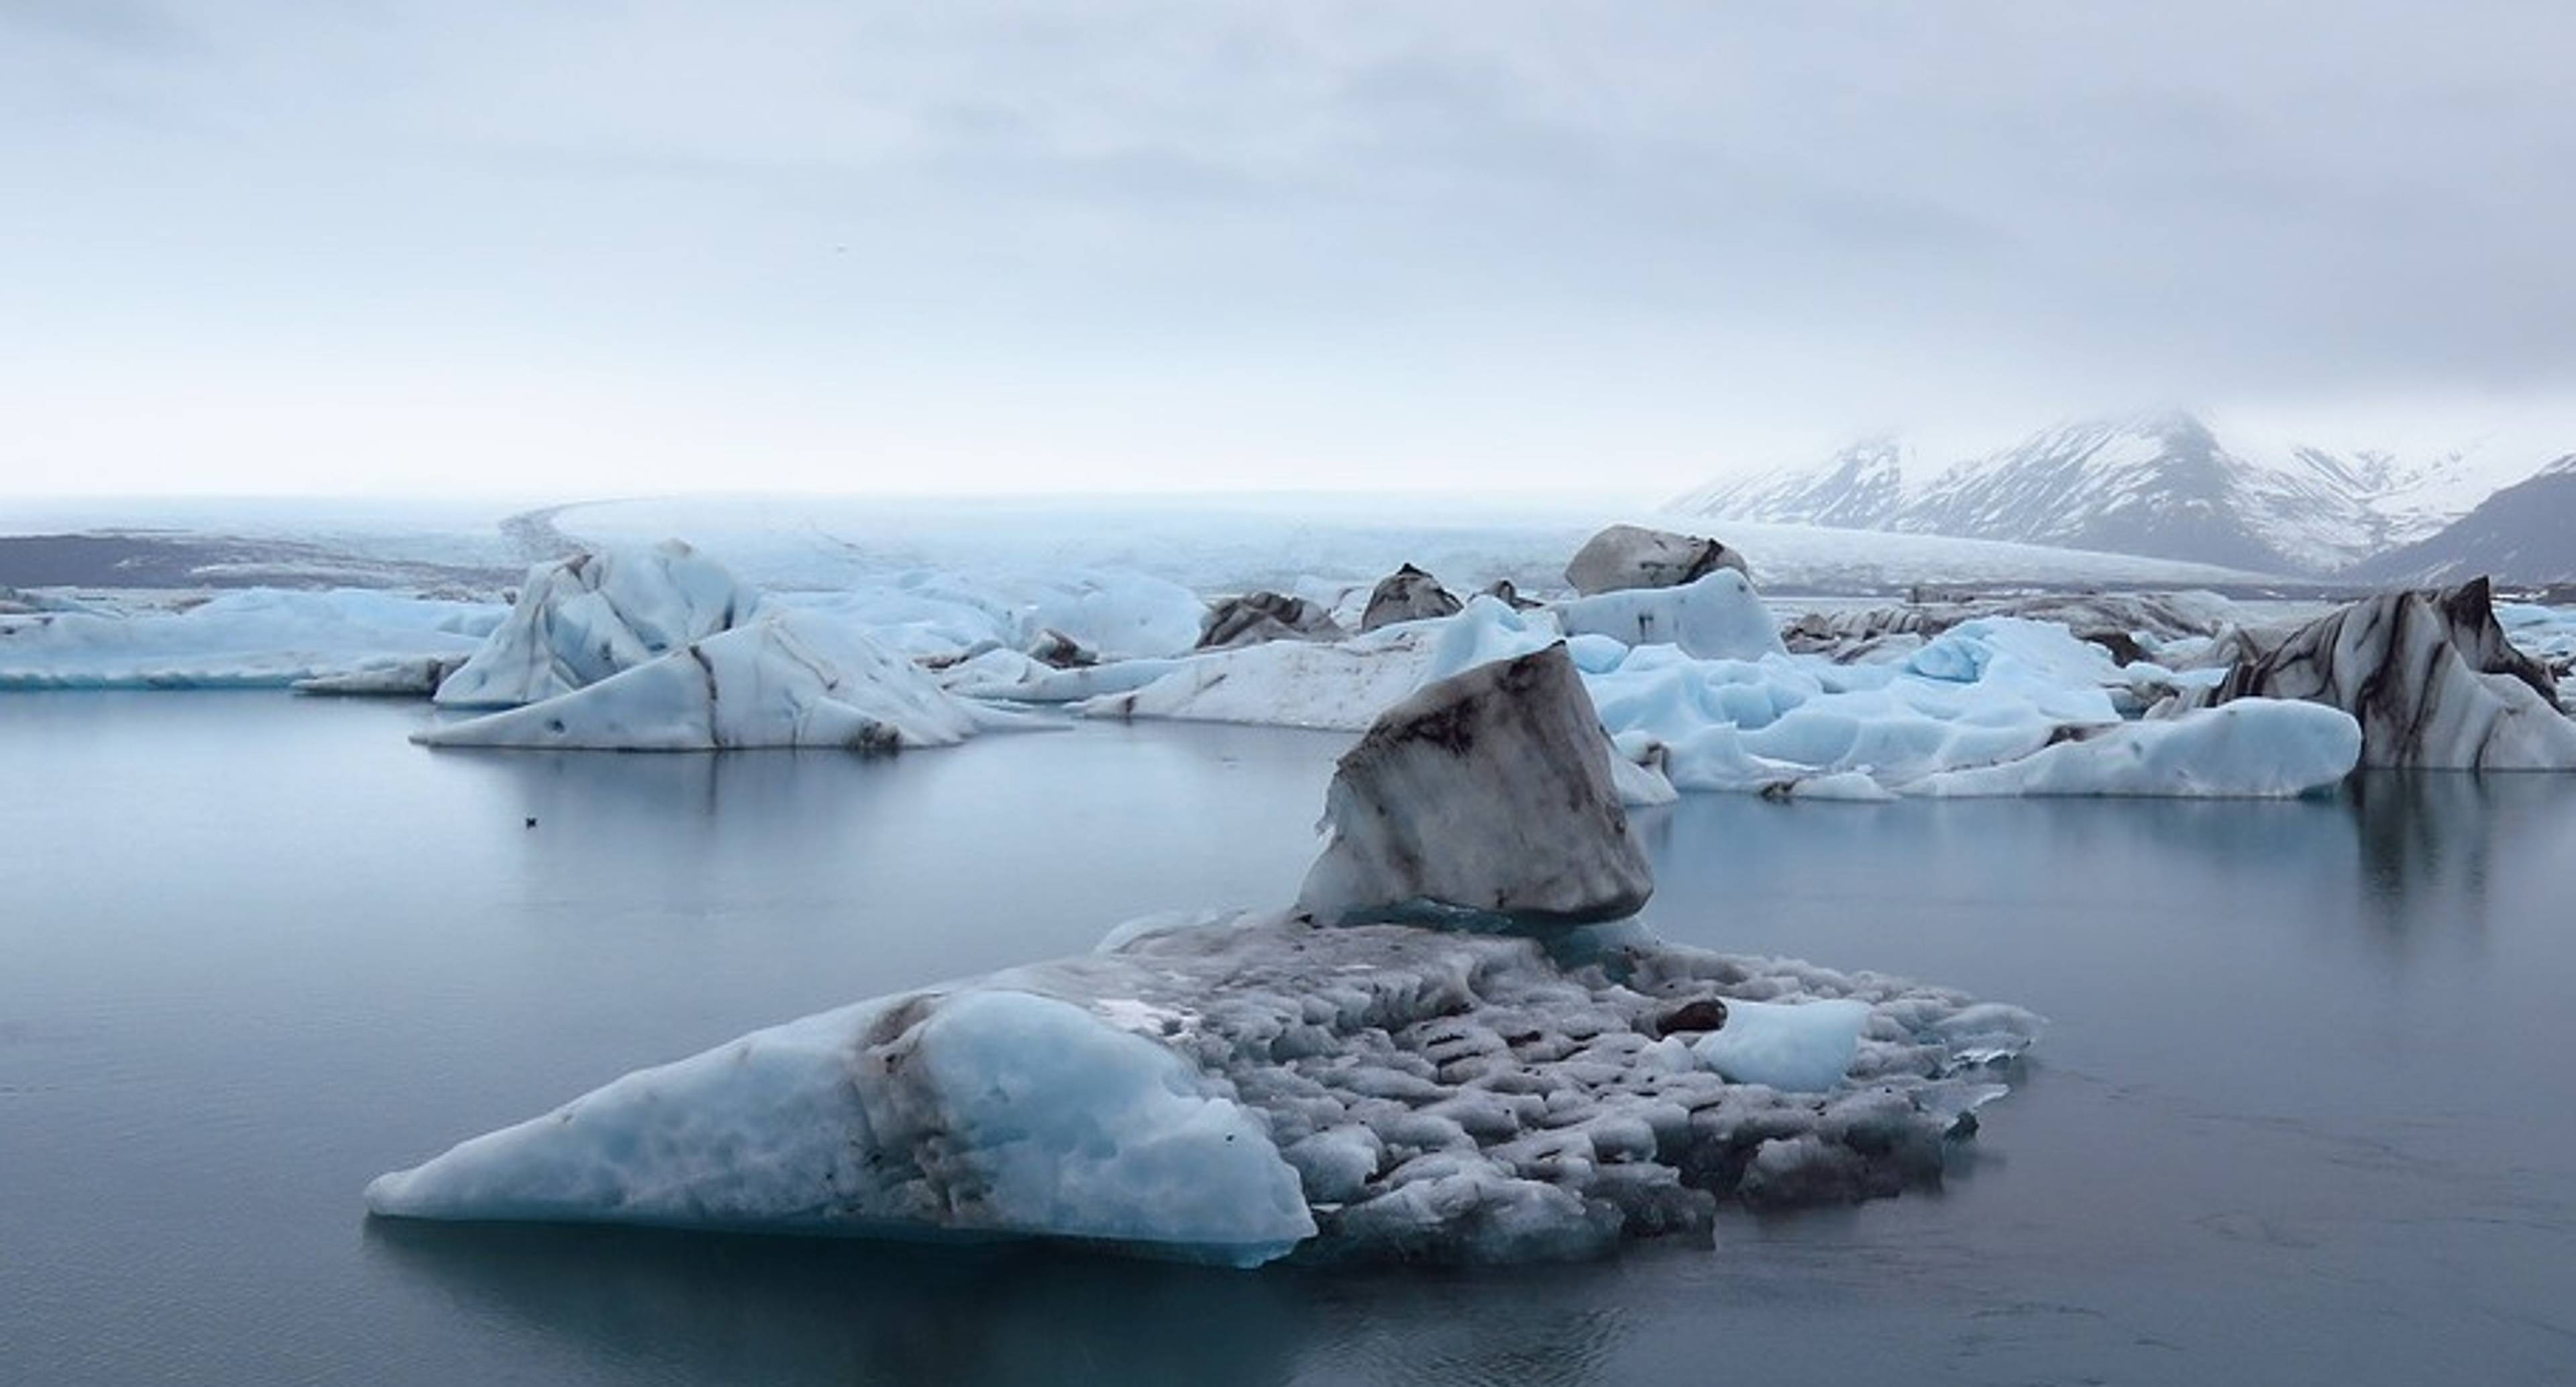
pixel 2304 1114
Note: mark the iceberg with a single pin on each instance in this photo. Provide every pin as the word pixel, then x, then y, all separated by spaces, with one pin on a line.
pixel 1407 594
pixel 1716 617
pixel 2431 677
pixel 1632 556
pixel 1487 795
pixel 790 679
pixel 2255 748
pixel 1233 1091
pixel 1258 617
pixel 988 1112
pixel 245 638
pixel 582 619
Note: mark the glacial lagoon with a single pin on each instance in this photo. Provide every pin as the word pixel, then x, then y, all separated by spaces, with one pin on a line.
pixel 2300 1113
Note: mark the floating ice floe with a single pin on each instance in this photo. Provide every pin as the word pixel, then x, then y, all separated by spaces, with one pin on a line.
pixel 1234 1089
pixel 2432 678
pixel 252 637
pixel 790 679
pixel 582 619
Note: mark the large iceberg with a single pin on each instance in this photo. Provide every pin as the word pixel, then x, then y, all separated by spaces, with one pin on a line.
pixel 1234 1089
pixel 582 619
pixel 2432 678
pixel 251 637
pixel 790 679
pixel 1231 1091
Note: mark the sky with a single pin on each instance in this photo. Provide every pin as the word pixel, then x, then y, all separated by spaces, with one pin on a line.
pixel 549 247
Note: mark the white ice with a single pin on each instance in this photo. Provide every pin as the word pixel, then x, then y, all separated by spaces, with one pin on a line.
pixel 790 679
pixel 1802 1047
pixel 252 637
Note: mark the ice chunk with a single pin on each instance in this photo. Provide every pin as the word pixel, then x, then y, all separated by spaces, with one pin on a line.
pixel 1803 1047
pixel 1486 793
pixel 1631 556
pixel 582 619
pixel 990 1111
pixel 791 679
pixel 1716 617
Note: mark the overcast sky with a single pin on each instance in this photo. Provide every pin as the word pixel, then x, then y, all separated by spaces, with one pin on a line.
pixel 536 246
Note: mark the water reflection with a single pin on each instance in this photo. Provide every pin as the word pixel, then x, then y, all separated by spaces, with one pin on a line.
pixel 811 1310
pixel 2401 852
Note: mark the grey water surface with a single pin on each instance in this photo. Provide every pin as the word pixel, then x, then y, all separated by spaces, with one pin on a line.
pixel 2304 1114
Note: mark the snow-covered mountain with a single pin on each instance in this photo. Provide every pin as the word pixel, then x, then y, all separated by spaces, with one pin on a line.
pixel 2525 533
pixel 2163 484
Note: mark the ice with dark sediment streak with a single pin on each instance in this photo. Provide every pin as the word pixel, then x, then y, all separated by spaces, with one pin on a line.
pixel 789 679
pixel 1633 556
pixel 1238 1088
pixel 1487 793
pixel 582 619
pixel 2431 677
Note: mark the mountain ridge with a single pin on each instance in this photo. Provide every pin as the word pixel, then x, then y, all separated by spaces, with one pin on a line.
pixel 2160 483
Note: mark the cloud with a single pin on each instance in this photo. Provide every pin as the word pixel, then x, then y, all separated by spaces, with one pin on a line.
pixel 1205 242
